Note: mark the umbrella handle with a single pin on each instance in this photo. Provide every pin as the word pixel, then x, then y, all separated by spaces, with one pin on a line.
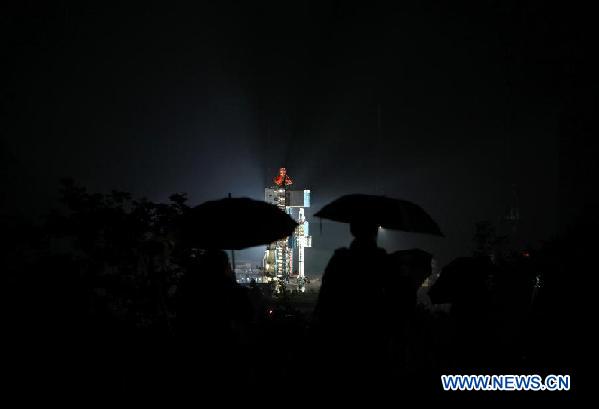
pixel 232 254
pixel 233 265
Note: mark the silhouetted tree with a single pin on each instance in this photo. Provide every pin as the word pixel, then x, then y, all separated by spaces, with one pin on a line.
pixel 125 247
pixel 486 240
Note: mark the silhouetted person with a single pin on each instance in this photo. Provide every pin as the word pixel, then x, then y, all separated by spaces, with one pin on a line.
pixel 465 284
pixel 408 269
pixel 210 307
pixel 513 283
pixel 350 315
pixel 258 302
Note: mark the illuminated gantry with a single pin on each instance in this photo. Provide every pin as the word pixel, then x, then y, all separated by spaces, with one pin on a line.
pixel 285 259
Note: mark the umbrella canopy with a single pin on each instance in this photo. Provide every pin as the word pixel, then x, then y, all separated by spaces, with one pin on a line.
pixel 384 211
pixel 462 279
pixel 234 224
pixel 414 264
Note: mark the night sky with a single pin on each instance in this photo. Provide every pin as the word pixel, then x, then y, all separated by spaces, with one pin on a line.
pixel 212 99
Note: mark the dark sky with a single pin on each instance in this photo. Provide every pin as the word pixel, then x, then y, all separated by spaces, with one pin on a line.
pixel 210 99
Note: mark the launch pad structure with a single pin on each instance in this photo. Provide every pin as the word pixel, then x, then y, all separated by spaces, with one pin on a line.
pixel 284 260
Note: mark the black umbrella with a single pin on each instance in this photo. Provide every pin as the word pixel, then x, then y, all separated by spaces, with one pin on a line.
pixel 384 211
pixel 463 278
pixel 414 264
pixel 234 224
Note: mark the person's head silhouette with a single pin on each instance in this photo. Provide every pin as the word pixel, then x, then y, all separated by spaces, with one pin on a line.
pixel 364 231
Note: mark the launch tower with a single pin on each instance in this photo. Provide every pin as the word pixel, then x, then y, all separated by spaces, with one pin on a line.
pixel 285 259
